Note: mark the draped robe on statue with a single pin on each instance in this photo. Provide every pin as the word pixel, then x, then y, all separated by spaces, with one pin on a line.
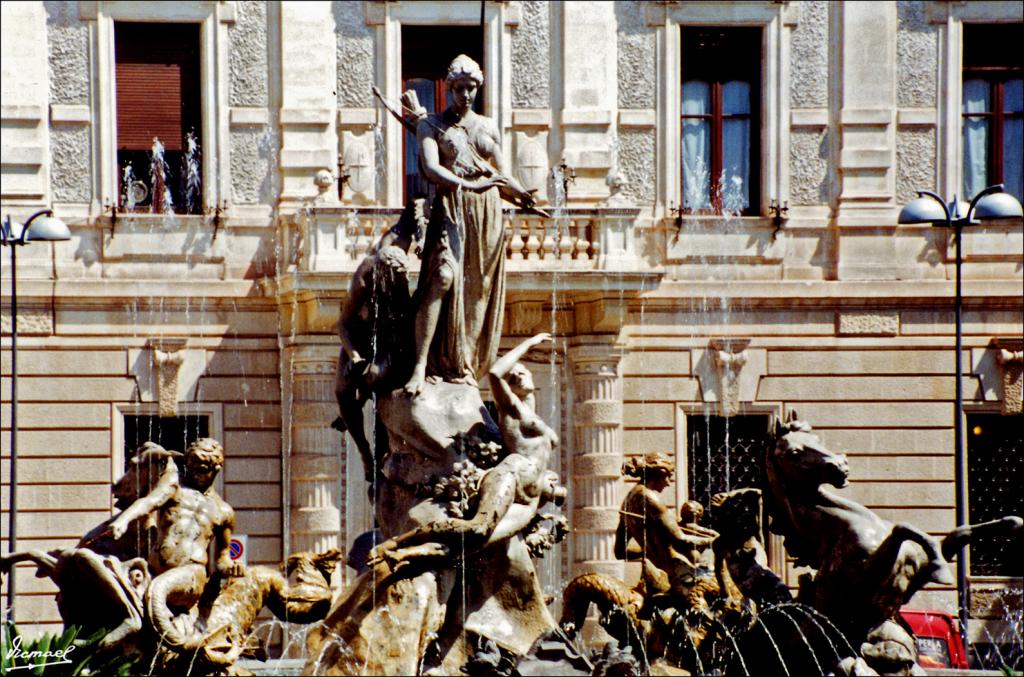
pixel 465 232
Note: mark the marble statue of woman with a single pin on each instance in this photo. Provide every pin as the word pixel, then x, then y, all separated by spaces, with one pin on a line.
pixel 461 293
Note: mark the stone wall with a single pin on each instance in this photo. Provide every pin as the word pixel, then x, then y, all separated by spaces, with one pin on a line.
pixel 874 383
pixel 531 54
pixel 70 144
pixel 71 396
pixel 637 58
pixel 809 166
pixel 809 56
pixel 249 74
pixel 917 49
pixel 355 48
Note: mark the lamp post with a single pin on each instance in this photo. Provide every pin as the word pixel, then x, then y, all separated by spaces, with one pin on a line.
pixel 991 203
pixel 42 226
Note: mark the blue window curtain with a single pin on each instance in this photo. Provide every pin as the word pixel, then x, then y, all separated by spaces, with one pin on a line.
pixel 696 145
pixel 736 146
pixel 977 99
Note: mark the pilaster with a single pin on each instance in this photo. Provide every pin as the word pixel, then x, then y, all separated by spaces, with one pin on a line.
pixel 314 455
pixel 589 83
pixel 309 137
pixel 597 465
pixel 867 117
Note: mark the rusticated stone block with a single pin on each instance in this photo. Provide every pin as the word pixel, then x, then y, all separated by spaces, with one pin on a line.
pixel 314 413
pixel 596 519
pixel 30 322
pixel 881 323
pixel 597 465
pixel 599 413
pixel 531 55
pixel 997 601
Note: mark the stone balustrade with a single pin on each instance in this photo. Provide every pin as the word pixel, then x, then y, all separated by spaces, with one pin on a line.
pixel 335 239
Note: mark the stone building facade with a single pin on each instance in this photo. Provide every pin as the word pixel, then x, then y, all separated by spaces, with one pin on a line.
pixel 671 321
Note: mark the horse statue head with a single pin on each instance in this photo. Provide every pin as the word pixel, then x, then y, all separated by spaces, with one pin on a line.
pixel 796 465
pixel 801 462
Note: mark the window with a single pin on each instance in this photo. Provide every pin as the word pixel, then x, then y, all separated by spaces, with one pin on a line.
pixel 426 53
pixel 158 99
pixel 724 454
pixel 721 92
pixel 174 433
pixel 995 474
pixel 993 107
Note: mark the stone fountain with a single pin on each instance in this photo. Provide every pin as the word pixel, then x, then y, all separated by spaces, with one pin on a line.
pixel 464 504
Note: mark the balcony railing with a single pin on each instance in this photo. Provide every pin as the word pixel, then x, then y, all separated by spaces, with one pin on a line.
pixel 335 239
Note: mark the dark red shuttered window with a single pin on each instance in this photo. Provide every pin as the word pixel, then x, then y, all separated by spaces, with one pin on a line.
pixel 427 51
pixel 721 118
pixel 158 96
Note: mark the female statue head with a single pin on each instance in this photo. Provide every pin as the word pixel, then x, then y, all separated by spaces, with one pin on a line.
pixel 464 67
pixel 653 469
pixel 520 380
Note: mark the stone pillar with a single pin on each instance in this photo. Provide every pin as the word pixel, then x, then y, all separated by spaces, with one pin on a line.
pixel 314 461
pixel 587 94
pixel 597 465
pixel 867 118
pixel 308 115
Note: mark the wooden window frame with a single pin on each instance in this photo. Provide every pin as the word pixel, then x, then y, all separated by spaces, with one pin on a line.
pixel 717 76
pixel 996 76
pixel 214 411
pixel 189 111
pixel 214 20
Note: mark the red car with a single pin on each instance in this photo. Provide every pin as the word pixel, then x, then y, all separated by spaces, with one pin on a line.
pixel 938 641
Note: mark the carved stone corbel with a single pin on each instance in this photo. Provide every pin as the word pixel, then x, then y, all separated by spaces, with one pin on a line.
pixel 729 357
pixel 525 317
pixel 1010 358
pixel 168 356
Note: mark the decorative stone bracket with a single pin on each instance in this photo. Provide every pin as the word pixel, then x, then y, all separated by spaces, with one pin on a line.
pixel 1010 358
pixel 728 373
pixel 167 365
pixel 167 373
pixel 525 317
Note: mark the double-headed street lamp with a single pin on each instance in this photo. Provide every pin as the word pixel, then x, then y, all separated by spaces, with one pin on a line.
pixel 42 226
pixel 991 203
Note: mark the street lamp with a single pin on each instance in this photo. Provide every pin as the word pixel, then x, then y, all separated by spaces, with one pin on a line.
pixel 991 203
pixel 42 226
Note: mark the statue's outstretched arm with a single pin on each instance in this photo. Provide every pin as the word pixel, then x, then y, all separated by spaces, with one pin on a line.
pixel 161 493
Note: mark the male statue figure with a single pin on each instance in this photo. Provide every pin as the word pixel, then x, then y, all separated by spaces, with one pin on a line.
pixel 373 327
pixel 188 517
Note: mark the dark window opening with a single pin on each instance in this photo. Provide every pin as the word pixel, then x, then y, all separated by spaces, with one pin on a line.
pixel 427 52
pixel 721 119
pixel 158 97
pixel 995 475
pixel 724 453
pixel 174 433
pixel 993 108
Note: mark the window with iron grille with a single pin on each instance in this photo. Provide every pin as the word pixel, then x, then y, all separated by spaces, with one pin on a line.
pixel 721 120
pixel 995 475
pixel 993 108
pixel 427 51
pixel 724 453
pixel 158 98
pixel 175 433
